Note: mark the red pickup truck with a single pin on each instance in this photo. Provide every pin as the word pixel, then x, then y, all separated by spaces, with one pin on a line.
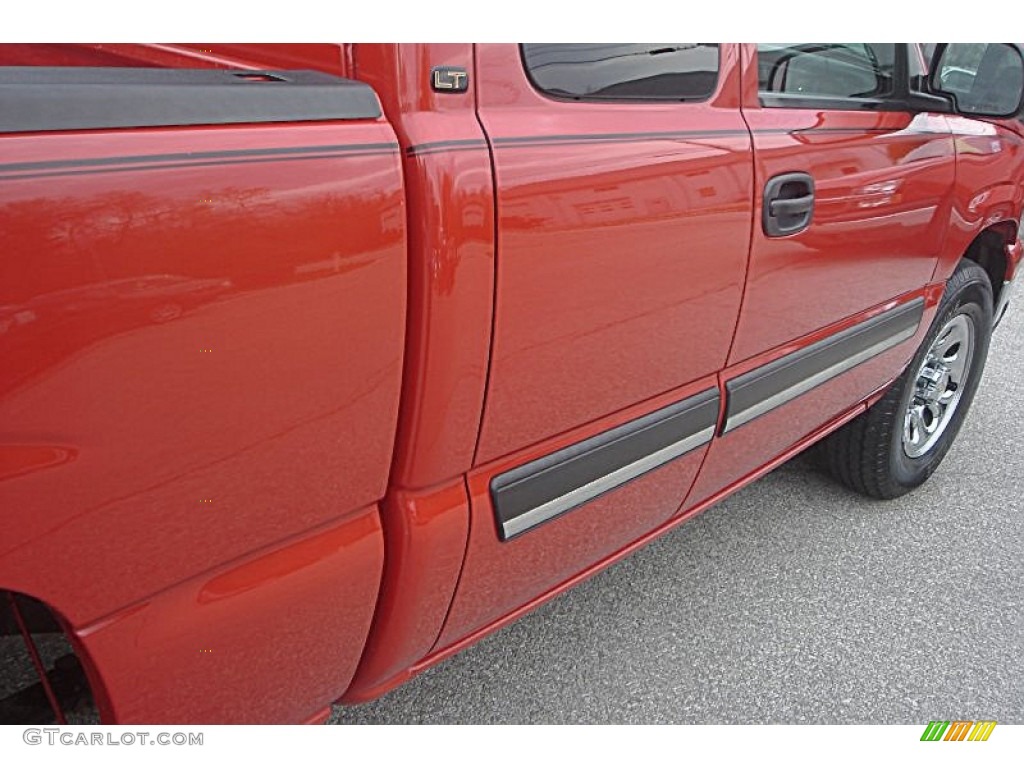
pixel 320 362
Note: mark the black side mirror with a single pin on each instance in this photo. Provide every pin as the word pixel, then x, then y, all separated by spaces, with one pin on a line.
pixel 984 79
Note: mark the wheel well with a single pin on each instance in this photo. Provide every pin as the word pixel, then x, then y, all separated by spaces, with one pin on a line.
pixel 42 678
pixel 989 252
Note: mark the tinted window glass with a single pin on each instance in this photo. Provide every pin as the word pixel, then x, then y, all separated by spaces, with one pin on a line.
pixel 624 71
pixel 827 70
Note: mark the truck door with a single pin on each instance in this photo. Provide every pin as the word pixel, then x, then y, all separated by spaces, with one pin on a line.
pixel 852 204
pixel 623 194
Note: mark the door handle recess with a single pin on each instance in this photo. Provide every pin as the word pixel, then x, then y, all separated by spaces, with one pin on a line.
pixel 788 204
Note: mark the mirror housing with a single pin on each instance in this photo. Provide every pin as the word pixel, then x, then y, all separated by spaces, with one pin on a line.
pixel 982 79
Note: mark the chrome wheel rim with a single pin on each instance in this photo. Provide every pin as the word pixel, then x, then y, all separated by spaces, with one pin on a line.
pixel 938 386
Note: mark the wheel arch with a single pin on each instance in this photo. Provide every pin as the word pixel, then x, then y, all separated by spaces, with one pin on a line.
pixel 988 250
pixel 53 673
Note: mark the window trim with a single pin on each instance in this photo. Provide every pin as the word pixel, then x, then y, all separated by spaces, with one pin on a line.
pixel 623 99
pixel 785 101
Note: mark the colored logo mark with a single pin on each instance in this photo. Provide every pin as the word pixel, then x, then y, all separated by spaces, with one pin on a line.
pixel 958 730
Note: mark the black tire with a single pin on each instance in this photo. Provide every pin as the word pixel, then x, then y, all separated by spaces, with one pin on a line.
pixel 868 454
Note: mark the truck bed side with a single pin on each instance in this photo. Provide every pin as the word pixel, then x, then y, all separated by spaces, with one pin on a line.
pixel 203 335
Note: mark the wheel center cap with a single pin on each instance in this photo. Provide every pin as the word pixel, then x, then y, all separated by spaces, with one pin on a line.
pixel 933 382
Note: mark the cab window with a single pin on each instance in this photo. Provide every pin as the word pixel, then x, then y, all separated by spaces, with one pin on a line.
pixel 623 71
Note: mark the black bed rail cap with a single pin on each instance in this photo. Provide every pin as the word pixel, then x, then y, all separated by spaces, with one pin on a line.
pixel 81 98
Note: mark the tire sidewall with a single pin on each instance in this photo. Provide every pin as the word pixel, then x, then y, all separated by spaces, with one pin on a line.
pixel 971 297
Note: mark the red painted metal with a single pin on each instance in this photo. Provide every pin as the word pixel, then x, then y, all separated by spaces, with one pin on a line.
pixel 620 258
pixel 498 577
pixel 266 639
pixel 425 542
pixel 325 57
pixel 745 450
pixel 451 258
pixel 64 55
pixel 213 350
pixel 1014 256
pixel 235 369
pixel 319 718
pixel 451 274
pixel 989 193
pixel 443 652
pixel 881 214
